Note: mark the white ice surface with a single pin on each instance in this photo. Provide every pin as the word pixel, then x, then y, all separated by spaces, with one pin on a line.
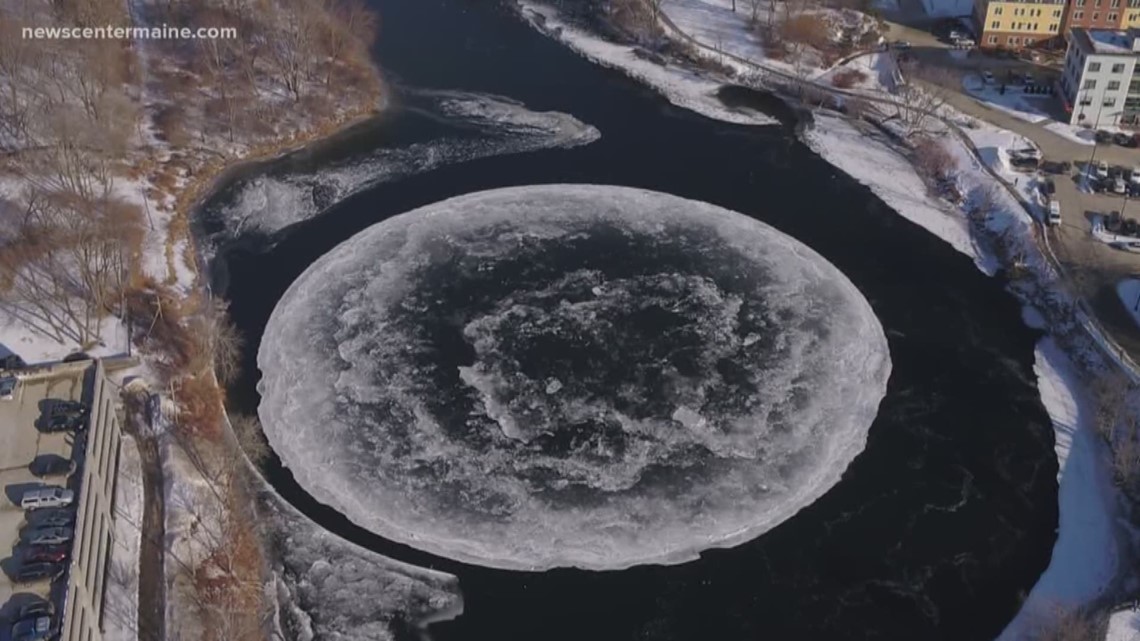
pixel 681 86
pixel 893 179
pixel 1086 554
pixel 1123 626
pixel 271 203
pixel 333 347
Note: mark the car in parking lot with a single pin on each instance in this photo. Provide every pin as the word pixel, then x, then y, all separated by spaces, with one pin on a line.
pixel 1048 187
pixel 1101 136
pixel 54 517
pixel 38 571
pixel 900 44
pixel 36 608
pixel 37 628
pixel 8 385
pixel 48 536
pixel 70 408
pixel 46 553
pixel 988 77
pixel 51 465
pixel 48 496
pixel 1124 140
pixel 1118 186
pixel 62 423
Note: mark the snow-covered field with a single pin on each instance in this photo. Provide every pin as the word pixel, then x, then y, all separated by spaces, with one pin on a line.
pixel 1124 626
pixel 1028 107
pixel 879 68
pixel 892 178
pixel 1085 555
pixel 121 602
pixel 1076 133
pixel 685 88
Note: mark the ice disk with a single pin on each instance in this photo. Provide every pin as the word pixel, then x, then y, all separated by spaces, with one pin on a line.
pixel 571 375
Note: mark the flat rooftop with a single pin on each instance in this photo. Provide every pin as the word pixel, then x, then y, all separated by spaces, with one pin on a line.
pixel 1107 41
pixel 20 443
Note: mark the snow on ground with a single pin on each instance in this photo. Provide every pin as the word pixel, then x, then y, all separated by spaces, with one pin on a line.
pixel 1076 133
pixel 1086 555
pixel 34 342
pixel 1129 292
pixel 714 23
pixel 1124 626
pixel 993 145
pixel 685 88
pixel 881 72
pixel 1119 241
pixel 948 8
pixel 121 601
pixel 875 164
pixel 1032 108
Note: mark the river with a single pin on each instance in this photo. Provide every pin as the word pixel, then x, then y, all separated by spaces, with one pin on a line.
pixel 938 528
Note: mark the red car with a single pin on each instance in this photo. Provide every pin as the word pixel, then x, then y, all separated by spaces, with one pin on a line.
pixel 46 554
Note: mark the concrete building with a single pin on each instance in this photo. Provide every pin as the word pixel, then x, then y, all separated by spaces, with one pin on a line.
pixel 1098 82
pixel 1006 24
pixel 82 618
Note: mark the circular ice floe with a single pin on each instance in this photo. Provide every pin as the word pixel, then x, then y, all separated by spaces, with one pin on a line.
pixel 570 375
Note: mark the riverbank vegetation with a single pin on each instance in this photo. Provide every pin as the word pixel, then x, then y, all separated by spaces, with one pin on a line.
pixel 105 146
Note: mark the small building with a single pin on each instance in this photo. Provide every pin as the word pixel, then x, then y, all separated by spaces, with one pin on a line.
pixel 1098 83
pixel 1016 24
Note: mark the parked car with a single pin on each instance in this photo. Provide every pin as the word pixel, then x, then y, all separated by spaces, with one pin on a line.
pixel 900 44
pixel 49 536
pixel 988 77
pixel 62 423
pixel 1124 140
pixel 70 408
pixel 1048 188
pixel 1134 175
pixel 1102 170
pixel 52 518
pixel 36 609
pixel 1101 136
pixel 48 496
pixel 8 385
pixel 1118 186
pixel 38 571
pixel 33 629
pixel 1054 215
pixel 46 553
pixel 51 465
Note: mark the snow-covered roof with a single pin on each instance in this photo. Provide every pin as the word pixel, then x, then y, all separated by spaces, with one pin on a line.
pixel 1107 41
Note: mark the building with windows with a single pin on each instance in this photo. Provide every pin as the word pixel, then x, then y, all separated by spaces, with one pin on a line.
pixel 1099 83
pixel 1098 14
pixel 1010 24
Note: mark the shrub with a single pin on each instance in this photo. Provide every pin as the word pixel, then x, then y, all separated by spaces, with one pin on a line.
pixel 847 78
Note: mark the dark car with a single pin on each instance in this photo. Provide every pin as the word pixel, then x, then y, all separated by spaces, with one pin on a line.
pixel 35 609
pixel 1124 140
pixel 70 408
pixel 33 629
pixel 46 553
pixel 1047 187
pixel 37 571
pixel 62 423
pixel 51 465
pixel 1102 136
pixel 52 518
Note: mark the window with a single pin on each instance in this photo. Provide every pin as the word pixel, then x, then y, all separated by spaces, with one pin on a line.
pixel 1014 40
pixel 1096 16
pixel 1057 12
pixel 1109 102
pixel 1094 67
pixel 1113 85
pixel 1114 4
pixel 1086 101
pixel 1118 67
pixel 1080 3
pixel 1134 86
pixel 1053 27
pixel 995 24
pixel 1078 15
pixel 1089 84
pixel 1112 17
pixel 993 40
pixel 1134 3
pixel 997 10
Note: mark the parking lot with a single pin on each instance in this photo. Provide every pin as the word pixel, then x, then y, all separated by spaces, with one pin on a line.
pixel 21 443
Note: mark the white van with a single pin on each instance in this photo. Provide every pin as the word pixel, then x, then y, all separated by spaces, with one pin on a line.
pixel 46 497
pixel 1054 213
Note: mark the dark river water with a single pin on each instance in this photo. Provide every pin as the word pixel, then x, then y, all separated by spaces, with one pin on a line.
pixel 938 528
